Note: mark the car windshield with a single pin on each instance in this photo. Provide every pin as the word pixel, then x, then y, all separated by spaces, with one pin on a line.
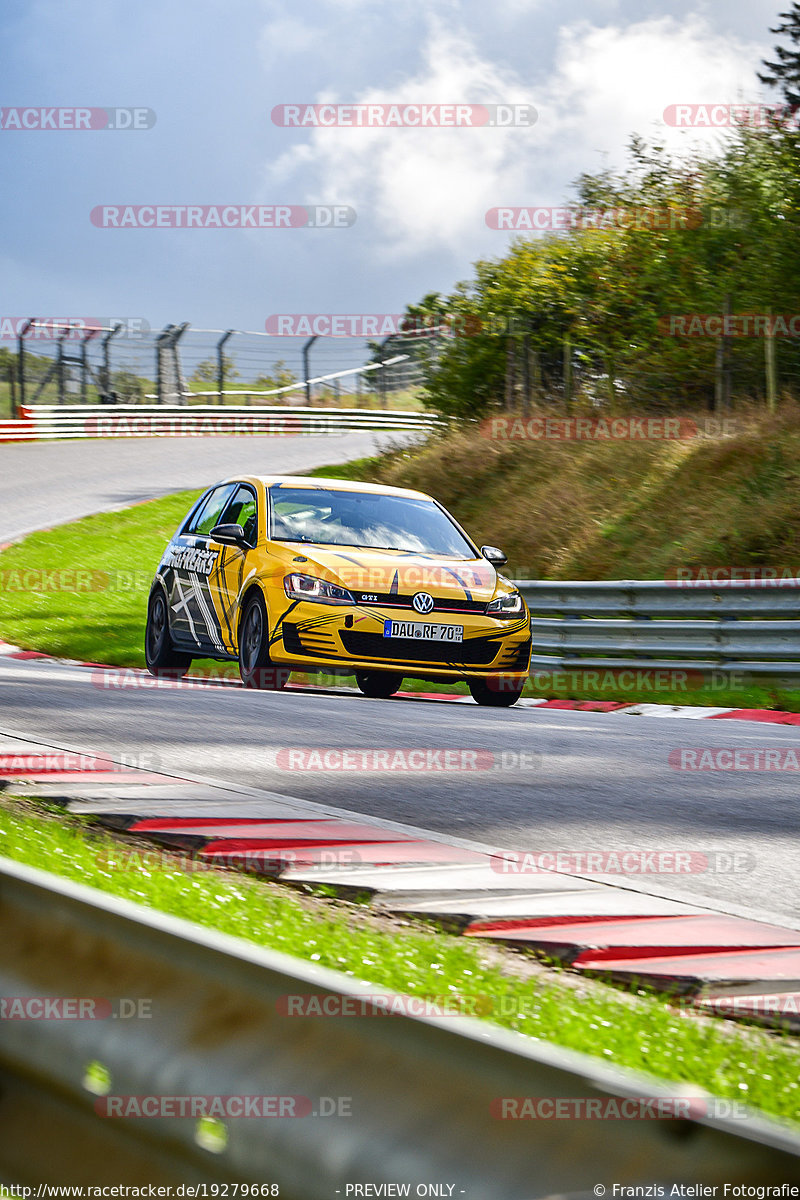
pixel 330 517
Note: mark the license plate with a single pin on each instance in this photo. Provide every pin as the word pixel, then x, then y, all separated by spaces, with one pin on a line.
pixel 426 631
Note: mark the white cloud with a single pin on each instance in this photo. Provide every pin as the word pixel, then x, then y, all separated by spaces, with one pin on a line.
pixel 284 38
pixel 421 188
pixel 424 191
pixel 610 82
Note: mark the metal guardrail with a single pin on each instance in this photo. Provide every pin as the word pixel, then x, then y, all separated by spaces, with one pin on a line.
pixel 47 422
pixel 733 625
pixel 421 1089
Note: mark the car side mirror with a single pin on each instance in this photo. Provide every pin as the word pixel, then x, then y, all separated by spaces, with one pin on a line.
pixel 229 535
pixel 494 555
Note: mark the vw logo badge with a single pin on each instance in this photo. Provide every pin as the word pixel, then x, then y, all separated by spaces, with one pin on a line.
pixel 422 602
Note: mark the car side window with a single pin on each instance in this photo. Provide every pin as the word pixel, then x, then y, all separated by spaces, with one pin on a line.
pixel 208 514
pixel 241 510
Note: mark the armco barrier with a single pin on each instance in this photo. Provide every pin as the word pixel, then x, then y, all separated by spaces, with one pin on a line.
pixel 16 431
pixel 422 1093
pixel 734 625
pixel 49 423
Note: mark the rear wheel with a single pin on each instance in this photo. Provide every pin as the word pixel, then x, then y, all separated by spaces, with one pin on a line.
pixel 255 665
pixel 496 692
pixel 378 685
pixel 161 658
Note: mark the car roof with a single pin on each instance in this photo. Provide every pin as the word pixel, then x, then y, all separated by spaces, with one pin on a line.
pixel 344 485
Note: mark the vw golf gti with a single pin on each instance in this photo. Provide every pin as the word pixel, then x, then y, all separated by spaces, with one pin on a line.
pixel 305 574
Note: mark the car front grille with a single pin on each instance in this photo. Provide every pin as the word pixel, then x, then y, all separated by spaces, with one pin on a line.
pixel 475 652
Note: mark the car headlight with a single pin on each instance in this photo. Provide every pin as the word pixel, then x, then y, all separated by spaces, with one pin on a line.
pixel 509 605
pixel 308 587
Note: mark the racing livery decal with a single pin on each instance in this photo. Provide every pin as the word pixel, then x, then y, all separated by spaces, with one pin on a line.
pixel 190 558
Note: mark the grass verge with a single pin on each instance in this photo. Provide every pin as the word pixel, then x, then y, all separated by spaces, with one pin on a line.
pixel 511 989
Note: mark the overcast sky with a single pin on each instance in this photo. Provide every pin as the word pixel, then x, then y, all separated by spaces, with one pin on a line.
pixel 596 70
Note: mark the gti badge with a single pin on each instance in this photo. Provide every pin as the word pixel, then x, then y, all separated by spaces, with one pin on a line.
pixel 422 602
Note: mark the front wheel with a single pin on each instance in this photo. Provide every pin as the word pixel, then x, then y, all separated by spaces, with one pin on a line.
pixel 162 660
pixel 255 665
pixel 378 685
pixel 496 692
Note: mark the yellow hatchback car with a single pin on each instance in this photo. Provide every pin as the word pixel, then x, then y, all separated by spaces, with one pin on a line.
pixel 304 574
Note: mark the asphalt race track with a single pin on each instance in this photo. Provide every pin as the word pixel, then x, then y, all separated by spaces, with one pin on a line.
pixel 47 483
pixel 603 782
pixel 590 782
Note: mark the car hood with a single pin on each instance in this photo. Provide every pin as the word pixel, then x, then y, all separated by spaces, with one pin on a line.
pixel 388 573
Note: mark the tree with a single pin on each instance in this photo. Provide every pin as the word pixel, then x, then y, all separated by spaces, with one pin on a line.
pixel 693 234
pixel 280 376
pixel 206 371
pixel 128 387
pixel 785 73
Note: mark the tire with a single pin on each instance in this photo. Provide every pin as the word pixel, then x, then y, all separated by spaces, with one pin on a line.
pixel 162 660
pixel 496 692
pixel 255 665
pixel 378 685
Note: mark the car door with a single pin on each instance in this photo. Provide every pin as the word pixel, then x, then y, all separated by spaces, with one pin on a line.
pixel 191 561
pixel 233 563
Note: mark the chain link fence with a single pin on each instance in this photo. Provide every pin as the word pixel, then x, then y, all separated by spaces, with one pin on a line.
pixel 685 373
pixel 43 362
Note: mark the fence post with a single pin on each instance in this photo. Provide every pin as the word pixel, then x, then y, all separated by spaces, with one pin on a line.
pixel 160 347
pixel 167 342
pixel 221 363
pixel 769 362
pixel 85 361
pixel 21 361
pixel 306 369
pixel 384 383
pixel 526 373
pixel 106 380
pixel 511 371
pixel 60 367
pixel 728 369
pixel 567 369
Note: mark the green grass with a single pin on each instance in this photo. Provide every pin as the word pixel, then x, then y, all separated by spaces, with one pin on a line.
pixel 637 1031
pixel 99 615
